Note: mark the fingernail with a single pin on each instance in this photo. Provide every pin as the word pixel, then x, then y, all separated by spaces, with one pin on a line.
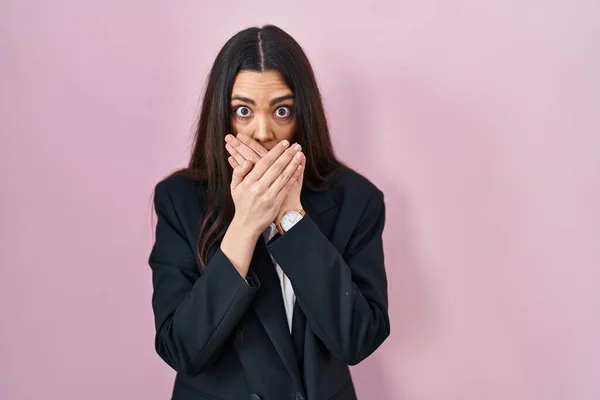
pixel 228 138
pixel 299 156
pixel 297 147
pixel 239 135
pixel 285 143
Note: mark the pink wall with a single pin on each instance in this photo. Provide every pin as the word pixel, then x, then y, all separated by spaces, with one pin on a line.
pixel 479 120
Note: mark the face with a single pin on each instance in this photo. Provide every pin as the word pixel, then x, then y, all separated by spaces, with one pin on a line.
pixel 262 107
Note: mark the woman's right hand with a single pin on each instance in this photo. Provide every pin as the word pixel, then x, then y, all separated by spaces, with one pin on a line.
pixel 259 190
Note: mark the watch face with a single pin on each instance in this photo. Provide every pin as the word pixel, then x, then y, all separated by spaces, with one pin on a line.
pixel 290 219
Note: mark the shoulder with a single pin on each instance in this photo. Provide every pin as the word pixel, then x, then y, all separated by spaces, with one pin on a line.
pixel 178 189
pixel 351 184
pixel 361 206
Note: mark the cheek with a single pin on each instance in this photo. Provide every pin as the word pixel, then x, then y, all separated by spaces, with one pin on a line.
pixel 285 132
pixel 235 125
pixel 238 126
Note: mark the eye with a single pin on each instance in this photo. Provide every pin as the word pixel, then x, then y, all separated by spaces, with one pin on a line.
pixel 283 112
pixel 242 112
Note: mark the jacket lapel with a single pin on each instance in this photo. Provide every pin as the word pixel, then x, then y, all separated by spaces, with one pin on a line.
pixel 269 308
pixel 268 303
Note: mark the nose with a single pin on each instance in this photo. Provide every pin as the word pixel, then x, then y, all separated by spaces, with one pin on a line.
pixel 262 130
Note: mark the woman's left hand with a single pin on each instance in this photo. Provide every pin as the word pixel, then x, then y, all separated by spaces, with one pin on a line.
pixel 244 148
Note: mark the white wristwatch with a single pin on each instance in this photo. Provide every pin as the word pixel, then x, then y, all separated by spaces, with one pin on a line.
pixel 289 219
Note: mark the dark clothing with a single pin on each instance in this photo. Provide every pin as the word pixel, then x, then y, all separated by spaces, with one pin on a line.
pixel 334 259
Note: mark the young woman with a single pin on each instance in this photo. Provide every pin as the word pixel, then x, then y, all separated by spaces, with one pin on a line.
pixel 267 267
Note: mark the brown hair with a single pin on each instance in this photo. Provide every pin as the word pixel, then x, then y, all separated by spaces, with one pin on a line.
pixel 255 49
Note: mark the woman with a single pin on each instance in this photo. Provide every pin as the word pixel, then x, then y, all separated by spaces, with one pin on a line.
pixel 268 267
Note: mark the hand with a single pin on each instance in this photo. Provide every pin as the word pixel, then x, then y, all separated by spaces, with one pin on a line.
pixel 244 148
pixel 258 190
pixel 292 200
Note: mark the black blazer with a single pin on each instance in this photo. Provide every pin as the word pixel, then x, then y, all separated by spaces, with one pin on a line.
pixel 229 339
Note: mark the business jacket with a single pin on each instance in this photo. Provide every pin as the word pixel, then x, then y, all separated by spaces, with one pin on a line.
pixel 334 259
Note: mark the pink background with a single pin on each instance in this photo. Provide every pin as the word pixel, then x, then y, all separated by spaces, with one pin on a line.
pixel 480 120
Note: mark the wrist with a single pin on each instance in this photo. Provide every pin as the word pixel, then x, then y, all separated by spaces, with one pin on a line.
pixel 244 231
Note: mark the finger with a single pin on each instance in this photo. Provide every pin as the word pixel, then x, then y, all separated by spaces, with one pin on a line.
pixel 253 144
pixel 263 165
pixel 236 155
pixel 243 149
pixel 280 197
pixel 232 162
pixel 291 156
pixel 284 176
pixel 303 163
pixel 239 173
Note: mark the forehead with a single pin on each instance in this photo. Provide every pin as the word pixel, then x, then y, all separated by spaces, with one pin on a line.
pixel 260 86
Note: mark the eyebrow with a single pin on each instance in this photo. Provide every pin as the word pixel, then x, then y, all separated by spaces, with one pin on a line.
pixel 271 103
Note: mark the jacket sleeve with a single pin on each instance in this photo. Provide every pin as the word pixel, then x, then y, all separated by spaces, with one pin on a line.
pixel 194 312
pixel 344 297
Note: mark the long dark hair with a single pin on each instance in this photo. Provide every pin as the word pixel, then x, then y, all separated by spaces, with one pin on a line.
pixel 255 49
